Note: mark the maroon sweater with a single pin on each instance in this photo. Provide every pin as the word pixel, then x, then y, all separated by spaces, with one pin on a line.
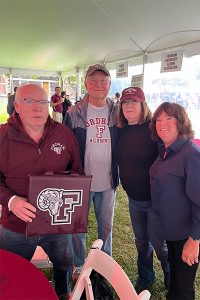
pixel 20 156
pixel 55 98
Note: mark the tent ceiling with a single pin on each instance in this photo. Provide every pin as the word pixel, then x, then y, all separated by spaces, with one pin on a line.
pixel 58 35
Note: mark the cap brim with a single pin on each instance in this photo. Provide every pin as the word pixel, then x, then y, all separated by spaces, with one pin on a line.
pixel 97 69
pixel 132 97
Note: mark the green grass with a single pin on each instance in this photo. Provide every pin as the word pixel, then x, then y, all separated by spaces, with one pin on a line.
pixel 3 118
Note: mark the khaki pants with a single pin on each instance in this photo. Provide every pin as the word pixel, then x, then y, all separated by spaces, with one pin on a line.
pixel 57 116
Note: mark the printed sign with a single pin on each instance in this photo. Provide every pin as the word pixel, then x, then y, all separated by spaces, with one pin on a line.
pixel 52 200
pixel 137 81
pixel 171 61
pixel 122 69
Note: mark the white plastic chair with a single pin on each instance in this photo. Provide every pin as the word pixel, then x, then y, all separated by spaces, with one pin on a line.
pixel 111 270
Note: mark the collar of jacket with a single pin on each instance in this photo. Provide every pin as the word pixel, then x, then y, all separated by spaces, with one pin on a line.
pixel 83 105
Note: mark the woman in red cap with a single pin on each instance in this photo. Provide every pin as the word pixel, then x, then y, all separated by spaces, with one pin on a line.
pixel 135 154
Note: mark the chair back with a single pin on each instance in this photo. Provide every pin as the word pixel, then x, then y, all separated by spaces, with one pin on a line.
pixel 105 265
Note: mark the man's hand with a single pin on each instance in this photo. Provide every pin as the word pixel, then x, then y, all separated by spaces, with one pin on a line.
pixel 190 252
pixel 22 209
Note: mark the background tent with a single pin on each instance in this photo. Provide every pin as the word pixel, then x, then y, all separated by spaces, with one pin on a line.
pixel 59 35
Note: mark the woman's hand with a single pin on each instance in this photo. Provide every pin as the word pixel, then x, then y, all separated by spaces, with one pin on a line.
pixel 190 252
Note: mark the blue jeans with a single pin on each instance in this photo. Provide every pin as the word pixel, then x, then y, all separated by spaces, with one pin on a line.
pixel 146 242
pixel 57 247
pixel 104 203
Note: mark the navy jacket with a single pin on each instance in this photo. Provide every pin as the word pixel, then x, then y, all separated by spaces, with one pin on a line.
pixel 175 188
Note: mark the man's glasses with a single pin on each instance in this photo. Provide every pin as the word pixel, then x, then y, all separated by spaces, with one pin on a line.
pixel 38 102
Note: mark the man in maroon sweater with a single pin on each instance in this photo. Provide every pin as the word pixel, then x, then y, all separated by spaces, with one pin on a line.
pixel 29 145
pixel 56 104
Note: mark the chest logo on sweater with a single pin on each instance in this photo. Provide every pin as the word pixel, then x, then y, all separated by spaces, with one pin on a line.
pixel 60 204
pixel 57 147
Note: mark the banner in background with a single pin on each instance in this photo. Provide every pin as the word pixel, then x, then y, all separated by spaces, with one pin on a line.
pixel 171 61
pixel 122 69
pixel 137 80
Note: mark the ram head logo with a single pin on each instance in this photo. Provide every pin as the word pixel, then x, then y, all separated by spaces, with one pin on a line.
pixel 50 199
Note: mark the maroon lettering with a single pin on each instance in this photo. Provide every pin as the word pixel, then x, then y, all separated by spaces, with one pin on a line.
pixel 103 121
pixel 91 121
pixel 100 130
pixel 98 121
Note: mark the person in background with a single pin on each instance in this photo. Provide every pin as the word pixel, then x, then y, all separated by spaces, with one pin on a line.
pixel 66 104
pixel 8 96
pixel 135 153
pixel 56 104
pixel 117 97
pixel 10 104
pixel 93 122
pixel 27 146
pixel 175 189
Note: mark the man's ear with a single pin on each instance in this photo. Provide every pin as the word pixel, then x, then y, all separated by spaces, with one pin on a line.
pixel 16 105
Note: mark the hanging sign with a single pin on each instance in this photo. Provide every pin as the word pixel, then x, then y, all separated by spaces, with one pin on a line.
pixel 137 80
pixel 122 69
pixel 171 61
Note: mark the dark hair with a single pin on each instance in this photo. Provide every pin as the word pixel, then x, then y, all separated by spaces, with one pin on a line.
pixel 57 87
pixel 63 94
pixel 15 89
pixel 117 95
pixel 177 111
pixel 145 115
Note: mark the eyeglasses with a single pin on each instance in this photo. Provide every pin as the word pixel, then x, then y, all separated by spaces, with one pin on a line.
pixel 126 102
pixel 31 102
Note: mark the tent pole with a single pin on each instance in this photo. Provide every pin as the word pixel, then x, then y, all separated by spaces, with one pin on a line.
pixel 143 66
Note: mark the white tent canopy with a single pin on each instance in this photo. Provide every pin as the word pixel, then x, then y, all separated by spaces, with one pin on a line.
pixel 62 35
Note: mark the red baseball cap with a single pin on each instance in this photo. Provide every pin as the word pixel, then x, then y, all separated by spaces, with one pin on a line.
pixel 133 93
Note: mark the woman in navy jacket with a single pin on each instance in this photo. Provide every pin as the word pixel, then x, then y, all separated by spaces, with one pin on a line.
pixel 175 189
